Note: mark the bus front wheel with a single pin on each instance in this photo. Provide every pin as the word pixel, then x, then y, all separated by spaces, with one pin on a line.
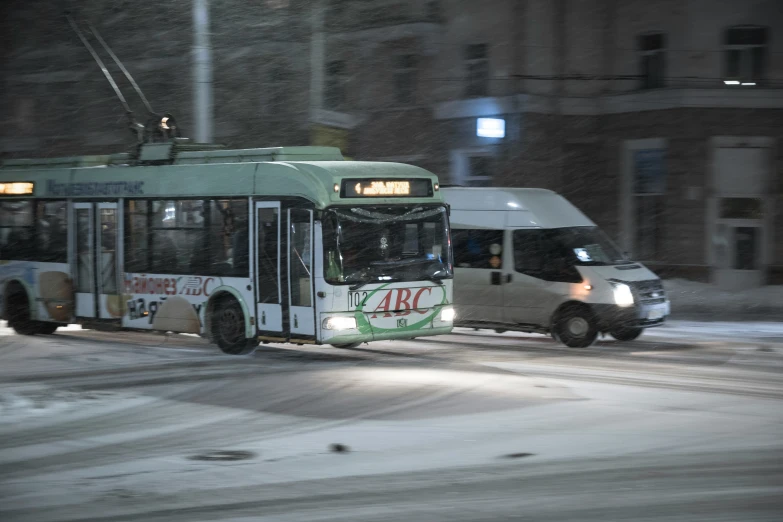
pixel 347 345
pixel 228 328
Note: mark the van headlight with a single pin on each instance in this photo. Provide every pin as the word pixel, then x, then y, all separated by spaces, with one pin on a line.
pixel 339 323
pixel 447 315
pixel 622 294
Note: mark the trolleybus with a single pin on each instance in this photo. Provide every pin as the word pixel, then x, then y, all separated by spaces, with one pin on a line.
pixel 286 244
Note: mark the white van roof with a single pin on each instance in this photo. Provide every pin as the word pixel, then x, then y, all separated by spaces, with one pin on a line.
pixel 512 207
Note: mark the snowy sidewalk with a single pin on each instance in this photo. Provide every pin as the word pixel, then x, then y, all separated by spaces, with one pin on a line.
pixel 705 302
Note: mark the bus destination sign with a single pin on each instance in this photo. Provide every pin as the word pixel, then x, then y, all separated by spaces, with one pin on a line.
pixel 386 188
pixel 16 188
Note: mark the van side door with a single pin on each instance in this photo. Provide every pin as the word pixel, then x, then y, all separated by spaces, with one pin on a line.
pixel 532 295
pixel 478 290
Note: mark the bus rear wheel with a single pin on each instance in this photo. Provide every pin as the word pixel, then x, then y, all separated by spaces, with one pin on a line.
pixel 19 318
pixel 228 328
pixel 347 345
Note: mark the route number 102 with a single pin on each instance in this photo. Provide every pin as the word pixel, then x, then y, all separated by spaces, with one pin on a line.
pixel 356 299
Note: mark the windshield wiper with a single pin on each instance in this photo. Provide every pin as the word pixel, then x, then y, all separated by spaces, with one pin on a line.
pixel 402 262
pixel 437 280
pixel 364 283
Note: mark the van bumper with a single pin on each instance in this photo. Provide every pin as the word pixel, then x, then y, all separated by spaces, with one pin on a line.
pixel 640 315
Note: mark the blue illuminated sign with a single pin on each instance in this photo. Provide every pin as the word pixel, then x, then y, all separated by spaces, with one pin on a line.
pixel 491 127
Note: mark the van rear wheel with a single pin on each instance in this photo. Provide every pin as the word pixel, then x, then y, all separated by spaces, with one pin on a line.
pixel 626 334
pixel 575 327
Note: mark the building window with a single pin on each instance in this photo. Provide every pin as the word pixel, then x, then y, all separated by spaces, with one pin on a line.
pixel 276 4
pixel 476 70
pixel 405 79
pixel 335 84
pixel 652 59
pixel 277 88
pixel 479 171
pixel 433 12
pixel 745 55
pixel 649 189
pixel 26 115
pixel 335 13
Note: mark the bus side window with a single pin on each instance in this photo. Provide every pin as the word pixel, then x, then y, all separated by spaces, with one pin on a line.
pixel 268 291
pixel 137 236
pixel 299 258
pixel 16 231
pixel 52 231
pixel 477 248
pixel 178 231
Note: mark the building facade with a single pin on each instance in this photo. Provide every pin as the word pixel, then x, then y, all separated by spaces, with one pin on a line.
pixel 56 101
pixel 662 120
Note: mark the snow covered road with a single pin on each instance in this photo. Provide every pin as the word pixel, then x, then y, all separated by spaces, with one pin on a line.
pixel 683 424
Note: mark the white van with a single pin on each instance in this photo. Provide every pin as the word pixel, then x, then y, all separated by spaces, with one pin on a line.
pixel 530 261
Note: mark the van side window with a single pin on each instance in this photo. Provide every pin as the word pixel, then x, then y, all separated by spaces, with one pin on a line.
pixel 528 252
pixel 539 254
pixel 475 248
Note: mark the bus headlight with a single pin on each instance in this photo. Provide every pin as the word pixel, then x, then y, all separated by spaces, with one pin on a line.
pixel 447 315
pixel 339 323
pixel 622 294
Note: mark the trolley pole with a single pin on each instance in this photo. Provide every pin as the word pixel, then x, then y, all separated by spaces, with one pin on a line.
pixel 202 72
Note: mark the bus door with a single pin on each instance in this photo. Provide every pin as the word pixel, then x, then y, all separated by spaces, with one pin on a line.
pixel 269 308
pixel 96 261
pixel 301 314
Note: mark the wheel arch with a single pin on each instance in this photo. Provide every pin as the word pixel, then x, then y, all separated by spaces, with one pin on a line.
pixel 571 303
pixel 13 287
pixel 226 292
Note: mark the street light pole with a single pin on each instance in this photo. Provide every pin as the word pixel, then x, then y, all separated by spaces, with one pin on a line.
pixel 202 72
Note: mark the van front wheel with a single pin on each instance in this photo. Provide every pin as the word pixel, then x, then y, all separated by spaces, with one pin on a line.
pixel 575 327
pixel 626 334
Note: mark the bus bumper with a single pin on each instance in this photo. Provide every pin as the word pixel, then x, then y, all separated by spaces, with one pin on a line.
pixel 371 327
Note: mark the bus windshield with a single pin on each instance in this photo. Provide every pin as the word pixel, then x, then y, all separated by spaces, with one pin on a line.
pixel 384 244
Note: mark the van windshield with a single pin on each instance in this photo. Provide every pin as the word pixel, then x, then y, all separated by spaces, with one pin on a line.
pixel 587 246
pixel 380 244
